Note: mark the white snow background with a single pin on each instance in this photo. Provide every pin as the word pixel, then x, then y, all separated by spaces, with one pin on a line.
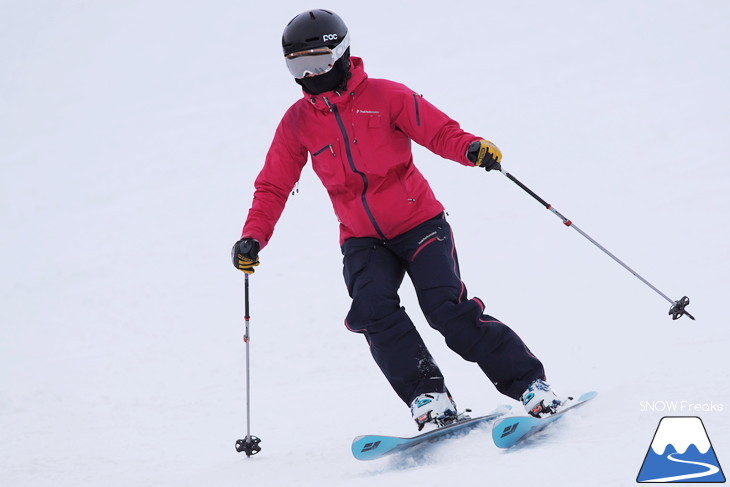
pixel 130 136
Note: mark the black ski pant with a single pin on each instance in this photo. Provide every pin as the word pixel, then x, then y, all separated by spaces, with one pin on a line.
pixel 374 270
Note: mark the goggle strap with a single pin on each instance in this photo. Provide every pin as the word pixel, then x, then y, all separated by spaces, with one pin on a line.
pixel 340 48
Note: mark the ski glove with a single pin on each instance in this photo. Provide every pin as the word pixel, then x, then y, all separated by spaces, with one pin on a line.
pixel 484 154
pixel 245 255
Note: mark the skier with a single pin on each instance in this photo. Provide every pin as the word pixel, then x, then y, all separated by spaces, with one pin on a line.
pixel 357 131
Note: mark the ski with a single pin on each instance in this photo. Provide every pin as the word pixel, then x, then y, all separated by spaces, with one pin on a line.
pixel 507 432
pixel 372 447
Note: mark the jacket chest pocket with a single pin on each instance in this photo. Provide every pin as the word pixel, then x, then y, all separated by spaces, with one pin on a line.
pixel 375 121
pixel 384 150
pixel 327 164
pixel 372 143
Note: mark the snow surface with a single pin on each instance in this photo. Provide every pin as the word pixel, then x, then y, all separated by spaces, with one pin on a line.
pixel 130 136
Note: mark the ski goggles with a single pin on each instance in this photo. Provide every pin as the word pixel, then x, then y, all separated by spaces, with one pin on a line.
pixel 313 62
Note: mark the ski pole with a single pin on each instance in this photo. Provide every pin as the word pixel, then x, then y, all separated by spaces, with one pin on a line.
pixel 678 307
pixel 250 444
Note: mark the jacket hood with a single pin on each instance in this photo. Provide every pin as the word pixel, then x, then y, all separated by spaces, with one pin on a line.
pixel 358 75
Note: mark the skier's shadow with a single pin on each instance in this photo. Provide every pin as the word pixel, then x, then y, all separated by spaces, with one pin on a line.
pixel 429 453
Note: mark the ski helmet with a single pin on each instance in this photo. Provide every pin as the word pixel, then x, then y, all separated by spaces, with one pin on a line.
pixel 316 47
pixel 313 29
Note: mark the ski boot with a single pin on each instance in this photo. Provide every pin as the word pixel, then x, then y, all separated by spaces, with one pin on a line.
pixel 435 408
pixel 539 400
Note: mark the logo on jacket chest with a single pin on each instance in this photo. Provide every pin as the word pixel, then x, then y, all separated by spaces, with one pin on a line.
pixel 372 112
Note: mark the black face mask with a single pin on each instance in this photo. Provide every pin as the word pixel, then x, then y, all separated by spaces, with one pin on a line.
pixel 333 80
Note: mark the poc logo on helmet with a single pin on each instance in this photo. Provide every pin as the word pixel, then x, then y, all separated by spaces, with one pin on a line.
pixel 329 37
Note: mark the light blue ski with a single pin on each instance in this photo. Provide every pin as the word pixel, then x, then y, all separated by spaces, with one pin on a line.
pixel 509 431
pixel 372 447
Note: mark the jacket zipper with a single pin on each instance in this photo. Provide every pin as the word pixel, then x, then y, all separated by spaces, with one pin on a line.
pixel 355 170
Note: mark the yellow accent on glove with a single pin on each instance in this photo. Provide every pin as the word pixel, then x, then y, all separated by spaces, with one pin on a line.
pixel 246 265
pixel 487 147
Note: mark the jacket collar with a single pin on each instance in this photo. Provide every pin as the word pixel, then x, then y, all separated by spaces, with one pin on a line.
pixel 325 100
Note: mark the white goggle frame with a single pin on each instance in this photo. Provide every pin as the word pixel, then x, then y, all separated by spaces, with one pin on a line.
pixel 313 62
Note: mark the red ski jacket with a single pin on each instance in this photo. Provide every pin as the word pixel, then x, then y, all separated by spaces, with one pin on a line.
pixel 360 145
